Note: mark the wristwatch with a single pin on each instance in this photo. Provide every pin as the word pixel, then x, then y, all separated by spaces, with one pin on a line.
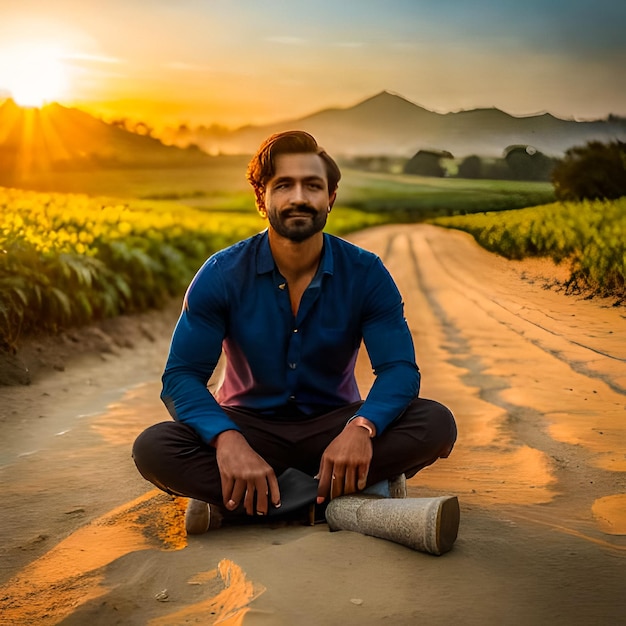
pixel 364 423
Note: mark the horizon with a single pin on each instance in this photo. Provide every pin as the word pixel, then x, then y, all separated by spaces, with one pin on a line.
pixel 242 64
pixel 109 119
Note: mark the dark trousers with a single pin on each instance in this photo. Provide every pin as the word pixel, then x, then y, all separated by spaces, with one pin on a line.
pixel 174 458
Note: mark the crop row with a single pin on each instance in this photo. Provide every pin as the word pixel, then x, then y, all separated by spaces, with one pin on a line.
pixel 589 235
pixel 68 259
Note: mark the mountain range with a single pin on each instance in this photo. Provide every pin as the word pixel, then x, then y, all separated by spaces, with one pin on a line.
pixel 60 138
pixel 388 124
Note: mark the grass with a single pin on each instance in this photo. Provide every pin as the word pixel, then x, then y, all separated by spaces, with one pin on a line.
pixel 588 235
pixel 414 198
pixel 222 186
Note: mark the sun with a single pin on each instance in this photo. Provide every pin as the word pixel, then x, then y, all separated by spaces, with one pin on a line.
pixel 33 74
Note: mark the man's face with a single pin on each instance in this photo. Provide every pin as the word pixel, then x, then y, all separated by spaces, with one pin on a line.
pixel 296 197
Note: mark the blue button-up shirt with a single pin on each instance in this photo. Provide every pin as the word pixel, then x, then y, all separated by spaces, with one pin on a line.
pixel 279 364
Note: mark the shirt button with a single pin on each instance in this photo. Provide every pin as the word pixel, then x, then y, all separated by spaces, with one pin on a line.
pixel 295 330
pixel 292 366
pixel 292 397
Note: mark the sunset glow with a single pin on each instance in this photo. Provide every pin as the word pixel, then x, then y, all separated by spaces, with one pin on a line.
pixel 216 63
pixel 33 74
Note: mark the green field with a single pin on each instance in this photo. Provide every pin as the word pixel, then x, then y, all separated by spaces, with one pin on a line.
pixel 120 241
pixel 223 186
pixel 414 198
pixel 69 259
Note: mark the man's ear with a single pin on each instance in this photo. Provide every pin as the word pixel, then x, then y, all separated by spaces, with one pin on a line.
pixel 331 199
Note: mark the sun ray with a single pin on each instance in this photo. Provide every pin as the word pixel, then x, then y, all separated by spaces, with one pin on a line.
pixel 34 141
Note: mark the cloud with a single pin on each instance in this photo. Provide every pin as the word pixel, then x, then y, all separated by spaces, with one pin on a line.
pixel 94 58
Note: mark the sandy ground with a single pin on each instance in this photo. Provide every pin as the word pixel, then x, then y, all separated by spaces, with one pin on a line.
pixel 536 379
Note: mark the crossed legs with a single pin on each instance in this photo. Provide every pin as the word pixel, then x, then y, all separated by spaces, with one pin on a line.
pixel 172 456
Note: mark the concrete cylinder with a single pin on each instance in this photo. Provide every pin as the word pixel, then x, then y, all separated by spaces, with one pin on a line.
pixel 425 524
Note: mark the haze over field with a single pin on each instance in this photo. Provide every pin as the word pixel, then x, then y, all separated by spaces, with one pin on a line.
pixel 246 62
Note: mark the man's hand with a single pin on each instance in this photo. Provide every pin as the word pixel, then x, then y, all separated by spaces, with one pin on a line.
pixel 345 463
pixel 245 475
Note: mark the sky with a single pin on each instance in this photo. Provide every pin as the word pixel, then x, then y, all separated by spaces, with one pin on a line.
pixel 245 61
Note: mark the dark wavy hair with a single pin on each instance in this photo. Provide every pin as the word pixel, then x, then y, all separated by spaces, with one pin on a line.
pixel 262 167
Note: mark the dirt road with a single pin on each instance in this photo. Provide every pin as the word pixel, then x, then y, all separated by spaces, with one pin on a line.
pixel 537 381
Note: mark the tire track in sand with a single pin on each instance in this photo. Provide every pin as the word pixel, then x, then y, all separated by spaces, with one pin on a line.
pixel 536 379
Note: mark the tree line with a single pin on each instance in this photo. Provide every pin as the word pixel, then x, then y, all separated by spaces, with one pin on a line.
pixel 593 171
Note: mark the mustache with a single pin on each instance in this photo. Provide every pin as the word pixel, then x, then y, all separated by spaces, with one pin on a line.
pixel 299 209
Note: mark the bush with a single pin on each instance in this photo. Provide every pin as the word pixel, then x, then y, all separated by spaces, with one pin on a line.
pixel 592 172
pixel 589 235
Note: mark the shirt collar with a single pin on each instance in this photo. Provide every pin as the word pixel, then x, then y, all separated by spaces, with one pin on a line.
pixel 265 260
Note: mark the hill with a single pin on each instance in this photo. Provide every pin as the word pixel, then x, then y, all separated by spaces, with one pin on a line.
pixel 388 124
pixel 56 138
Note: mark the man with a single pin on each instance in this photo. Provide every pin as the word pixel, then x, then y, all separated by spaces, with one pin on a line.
pixel 289 308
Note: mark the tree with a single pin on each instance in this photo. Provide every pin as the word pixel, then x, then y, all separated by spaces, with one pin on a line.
pixel 471 167
pixel 593 171
pixel 527 163
pixel 427 163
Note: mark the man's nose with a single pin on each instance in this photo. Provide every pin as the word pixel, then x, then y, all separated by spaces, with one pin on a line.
pixel 298 194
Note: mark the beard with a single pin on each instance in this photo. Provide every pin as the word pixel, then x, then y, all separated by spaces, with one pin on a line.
pixel 297 229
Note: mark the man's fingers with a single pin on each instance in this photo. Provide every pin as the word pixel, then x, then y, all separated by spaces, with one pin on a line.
pixel 247 474
pixel 261 489
pixel 363 472
pixel 342 481
pixel 255 495
pixel 227 493
pixel 238 492
pixel 274 494
pixel 349 485
pixel 338 482
pixel 323 488
pixel 248 500
pixel 336 487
